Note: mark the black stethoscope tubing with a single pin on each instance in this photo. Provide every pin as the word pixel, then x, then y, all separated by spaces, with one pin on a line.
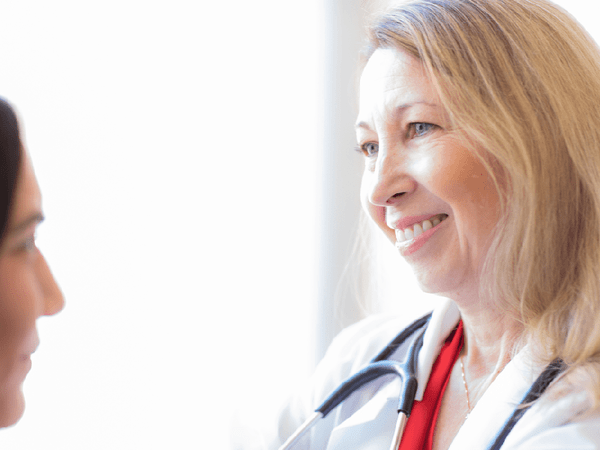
pixel 380 366
pixel 553 370
pixel 402 337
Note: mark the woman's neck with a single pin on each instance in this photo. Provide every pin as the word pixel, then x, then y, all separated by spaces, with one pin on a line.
pixel 491 338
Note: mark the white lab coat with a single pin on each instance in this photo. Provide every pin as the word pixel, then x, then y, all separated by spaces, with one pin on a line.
pixel 366 419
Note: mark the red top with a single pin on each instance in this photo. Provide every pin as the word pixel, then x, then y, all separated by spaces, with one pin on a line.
pixel 418 434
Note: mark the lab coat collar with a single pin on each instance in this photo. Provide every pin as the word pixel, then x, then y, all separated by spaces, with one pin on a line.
pixel 498 403
pixel 444 319
pixel 501 398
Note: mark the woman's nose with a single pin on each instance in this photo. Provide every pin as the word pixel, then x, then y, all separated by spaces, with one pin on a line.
pixel 391 179
pixel 54 301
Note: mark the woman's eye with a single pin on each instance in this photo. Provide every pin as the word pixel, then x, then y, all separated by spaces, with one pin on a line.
pixel 419 129
pixel 369 148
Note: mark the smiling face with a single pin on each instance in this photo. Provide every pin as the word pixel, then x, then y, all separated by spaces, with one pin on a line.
pixel 27 291
pixel 428 193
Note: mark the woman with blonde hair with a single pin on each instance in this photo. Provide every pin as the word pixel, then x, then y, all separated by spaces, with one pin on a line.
pixel 479 123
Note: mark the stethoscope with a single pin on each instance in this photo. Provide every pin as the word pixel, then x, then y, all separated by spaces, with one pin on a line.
pixel 406 371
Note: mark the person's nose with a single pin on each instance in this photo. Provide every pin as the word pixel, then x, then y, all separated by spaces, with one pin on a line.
pixel 54 301
pixel 391 180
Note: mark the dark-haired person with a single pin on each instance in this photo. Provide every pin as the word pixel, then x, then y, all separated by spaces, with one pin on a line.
pixel 27 287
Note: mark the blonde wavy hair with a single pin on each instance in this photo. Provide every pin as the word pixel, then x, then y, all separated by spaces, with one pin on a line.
pixel 521 79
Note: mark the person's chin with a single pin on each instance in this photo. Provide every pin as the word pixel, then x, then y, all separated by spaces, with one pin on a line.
pixel 12 408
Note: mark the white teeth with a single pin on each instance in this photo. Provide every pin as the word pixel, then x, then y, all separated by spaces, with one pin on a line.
pixel 418 229
pixel 400 236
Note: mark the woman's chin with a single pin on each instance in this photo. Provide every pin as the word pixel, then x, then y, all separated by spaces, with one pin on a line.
pixel 12 407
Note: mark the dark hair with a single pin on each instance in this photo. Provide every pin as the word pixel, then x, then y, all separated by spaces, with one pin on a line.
pixel 10 158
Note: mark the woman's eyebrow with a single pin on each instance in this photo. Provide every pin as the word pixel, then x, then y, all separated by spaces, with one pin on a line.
pixel 35 218
pixel 362 124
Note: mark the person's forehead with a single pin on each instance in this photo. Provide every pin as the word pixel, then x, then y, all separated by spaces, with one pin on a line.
pixel 27 196
pixel 394 80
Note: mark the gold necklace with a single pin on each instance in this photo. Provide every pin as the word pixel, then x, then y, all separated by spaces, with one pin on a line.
pixel 462 368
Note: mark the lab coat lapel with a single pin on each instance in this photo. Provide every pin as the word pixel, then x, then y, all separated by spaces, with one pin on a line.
pixel 443 320
pixel 372 426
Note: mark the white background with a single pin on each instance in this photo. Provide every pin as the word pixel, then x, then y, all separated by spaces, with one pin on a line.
pixel 178 148
pixel 174 143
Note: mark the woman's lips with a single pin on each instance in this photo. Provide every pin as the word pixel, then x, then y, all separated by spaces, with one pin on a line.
pixel 30 348
pixel 31 344
pixel 410 238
